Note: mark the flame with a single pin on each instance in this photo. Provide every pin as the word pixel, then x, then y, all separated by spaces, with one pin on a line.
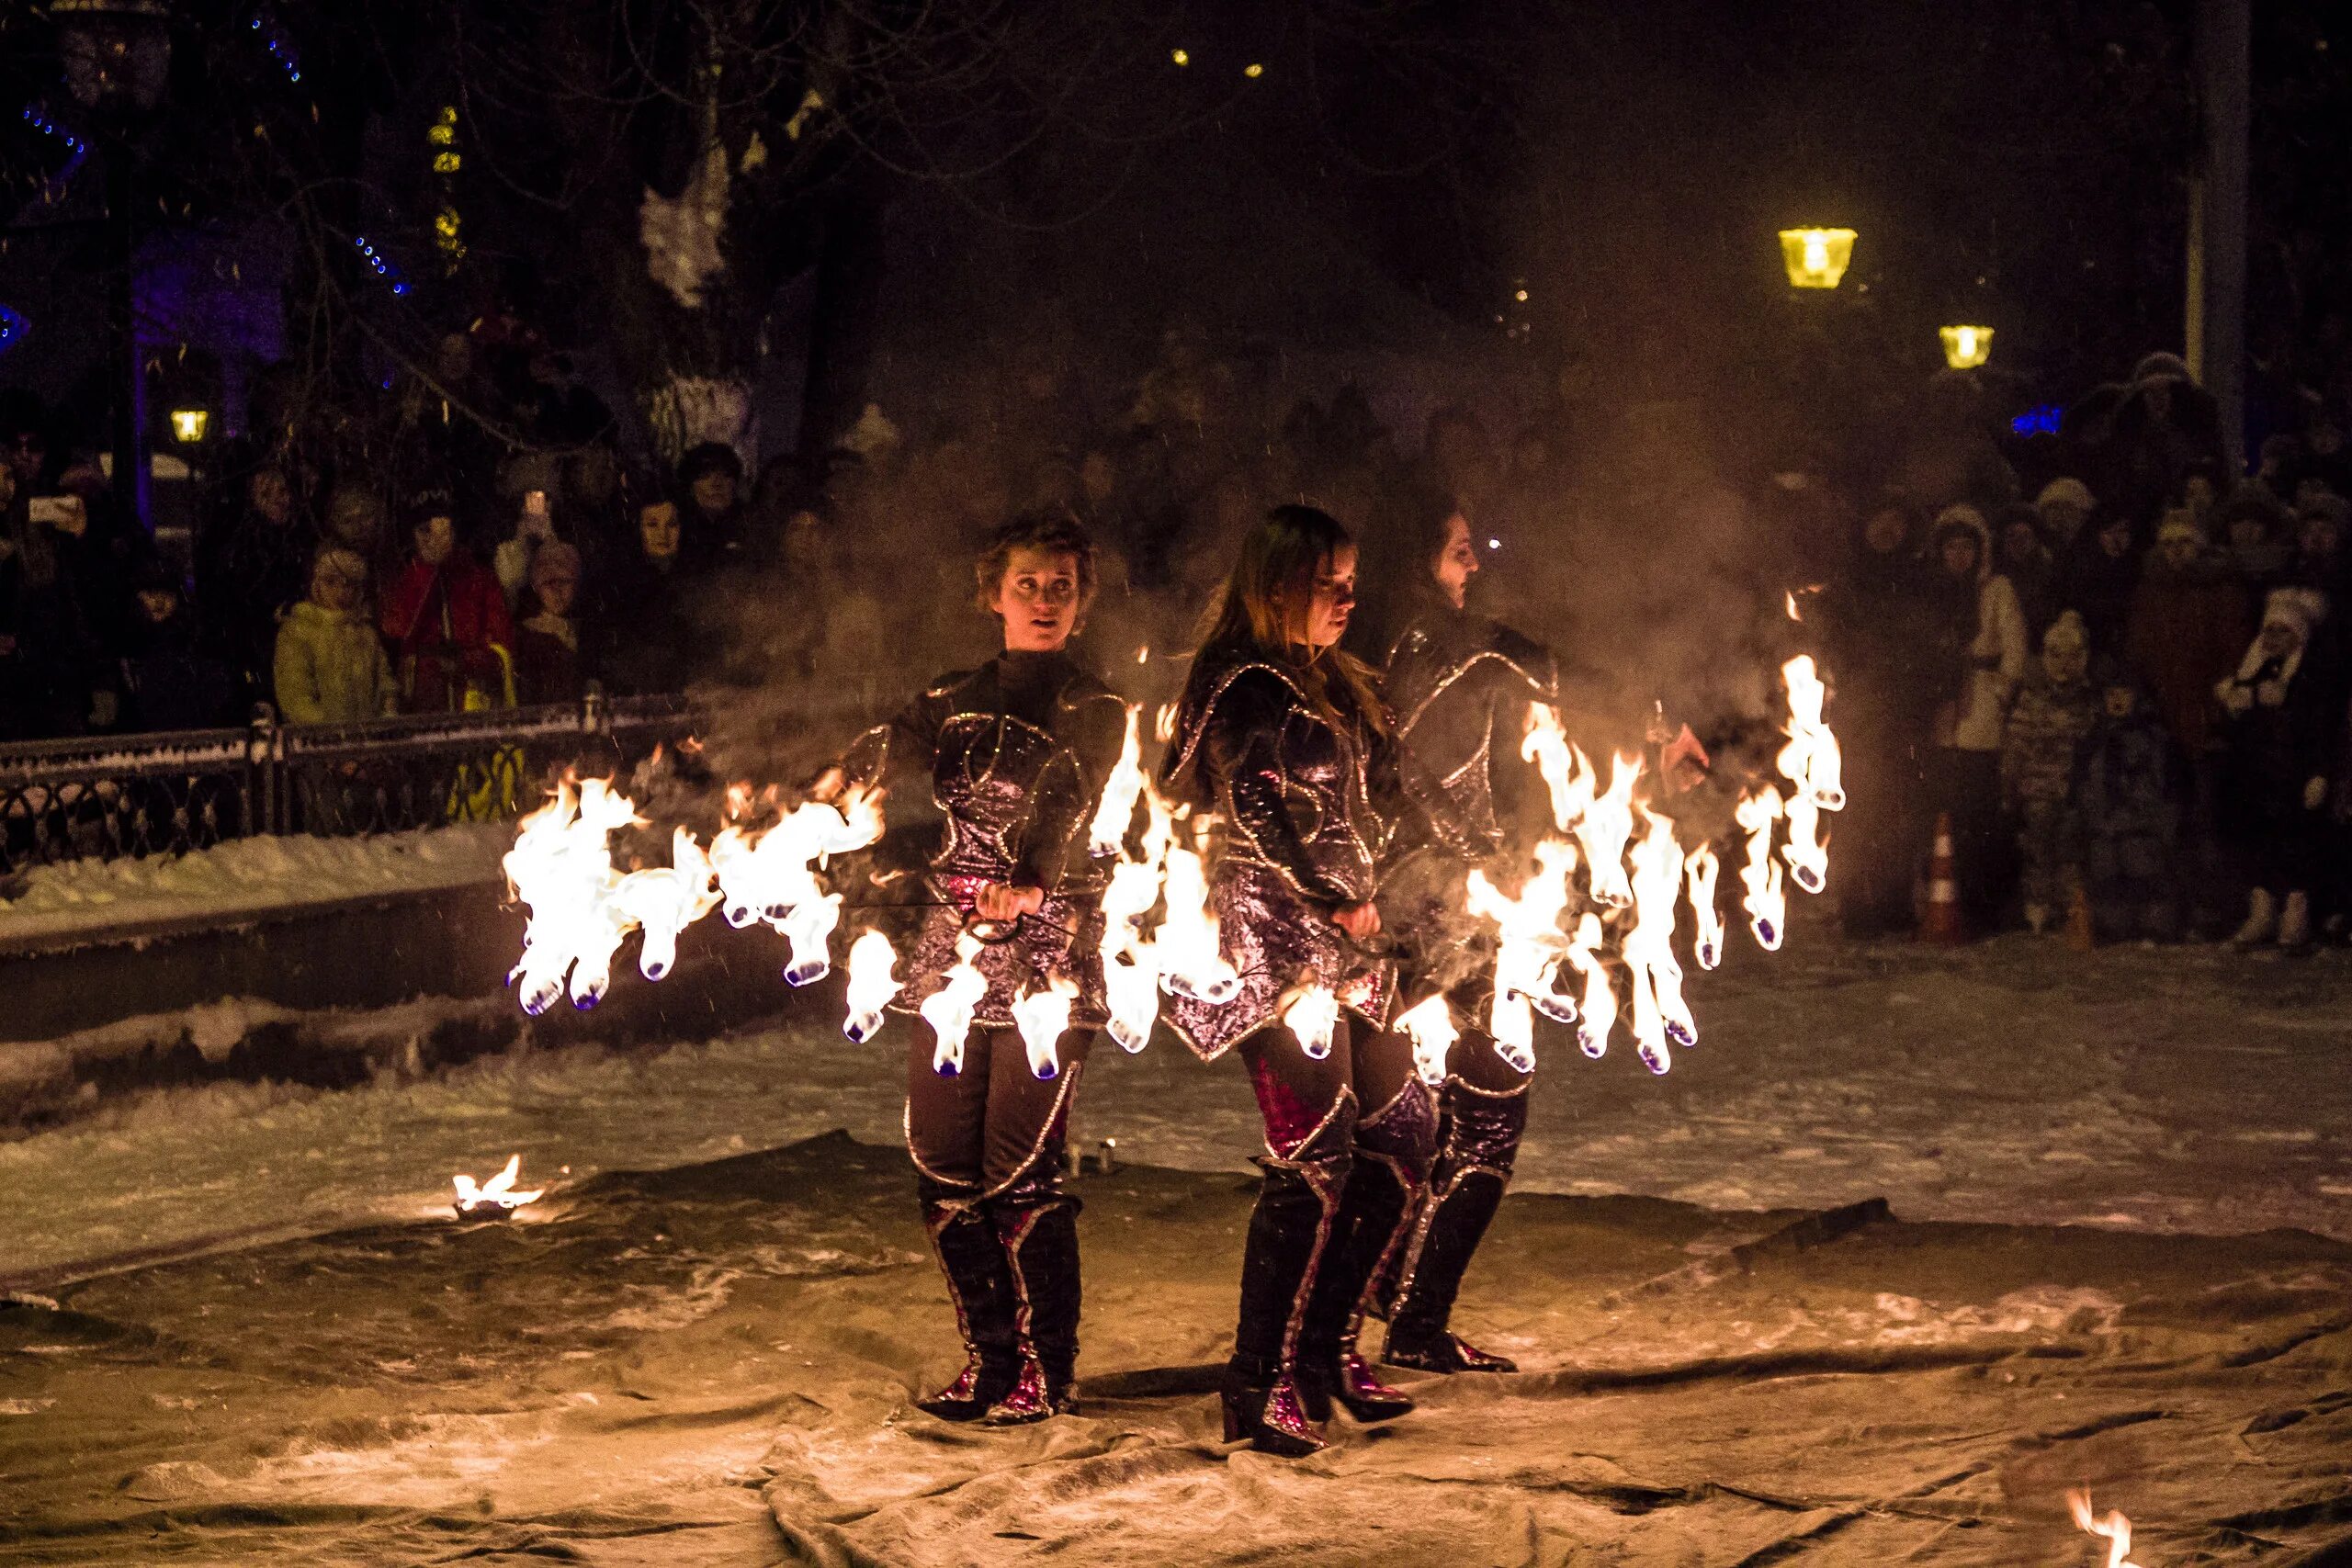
pixel 871 986
pixel 1766 902
pixel 1811 761
pixel 1120 791
pixel 2115 1527
pixel 1597 1014
pixel 1807 856
pixel 1608 823
pixel 1163 723
pixel 1430 1027
pixel 808 926
pixel 1528 955
pixel 767 876
pixel 498 1192
pixel 1131 966
pixel 948 1009
pixel 666 900
pixel 1707 941
pixel 1192 964
pixel 1566 772
pixel 1660 1013
pixel 1143 654
pixel 1790 601
pixel 561 867
pixel 1042 1017
pixel 1312 1013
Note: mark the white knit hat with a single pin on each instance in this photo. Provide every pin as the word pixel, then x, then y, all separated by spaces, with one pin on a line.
pixel 2067 491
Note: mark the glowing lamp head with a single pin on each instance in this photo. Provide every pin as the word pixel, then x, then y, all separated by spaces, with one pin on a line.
pixel 1817 258
pixel 188 424
pixel 1965 348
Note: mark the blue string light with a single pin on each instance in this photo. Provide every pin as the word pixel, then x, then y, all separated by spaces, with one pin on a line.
pixel 76 148
pixel 280 48
pixel 13 328
pixel 384 268
pixel 2043 420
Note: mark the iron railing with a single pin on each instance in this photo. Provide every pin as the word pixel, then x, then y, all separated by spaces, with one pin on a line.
pixel 119 797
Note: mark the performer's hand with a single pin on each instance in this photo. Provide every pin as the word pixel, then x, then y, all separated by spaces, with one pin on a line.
pixel 999 902
pixel 1359 920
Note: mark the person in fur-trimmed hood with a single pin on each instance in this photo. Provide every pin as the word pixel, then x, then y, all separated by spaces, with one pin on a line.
pixel 2278 710
pixel 1980 636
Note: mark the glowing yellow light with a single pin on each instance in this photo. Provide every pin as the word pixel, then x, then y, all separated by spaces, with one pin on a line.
pixel 1965 348
pixel 445 162
pixel 443 130
pixel 1817 258
pixel 1253 71
pixel 1181 57
pixel 188 424
pixel 1521 296
pixel 445 224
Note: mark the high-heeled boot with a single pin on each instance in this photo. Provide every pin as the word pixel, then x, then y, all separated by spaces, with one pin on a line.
pixel 1375 1212
pixel 1298 1204
pixel 1040 1241
pixel 979 1285
pixel 1480 1141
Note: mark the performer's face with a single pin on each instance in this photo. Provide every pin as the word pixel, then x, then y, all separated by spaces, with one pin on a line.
pixel 1333 599
pixel 1457 563
pixel 1037 599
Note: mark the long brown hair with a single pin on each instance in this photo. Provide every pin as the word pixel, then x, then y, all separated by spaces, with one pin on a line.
pixel 1272 581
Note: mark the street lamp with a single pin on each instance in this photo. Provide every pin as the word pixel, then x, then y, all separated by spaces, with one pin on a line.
pixel 1817 258
pixel 1965 348
pixel 117 55
pixel 188 425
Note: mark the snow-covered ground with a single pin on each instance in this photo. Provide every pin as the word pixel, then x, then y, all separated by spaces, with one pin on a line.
pixel 246 876
pixel 2182 1088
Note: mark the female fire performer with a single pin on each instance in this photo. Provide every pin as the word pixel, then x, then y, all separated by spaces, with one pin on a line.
pixel 1016 752
pixel 1282 735
pixel 1460 685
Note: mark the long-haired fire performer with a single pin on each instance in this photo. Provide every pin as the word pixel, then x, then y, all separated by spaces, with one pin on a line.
pixel 1016 752
pixel 1280 734
pixel 1460 684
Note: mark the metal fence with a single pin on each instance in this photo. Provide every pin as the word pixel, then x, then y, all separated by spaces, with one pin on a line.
pixel 110 797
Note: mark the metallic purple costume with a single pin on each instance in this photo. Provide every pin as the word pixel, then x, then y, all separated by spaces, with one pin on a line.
pixel 1016 752
pixel 1461 685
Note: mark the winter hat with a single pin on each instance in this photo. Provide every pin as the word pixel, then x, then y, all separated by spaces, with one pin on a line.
pixel 709 457
pixel 2257 680
pixel 2302 609
pixel 336 561
pixel 2066 635
pixel 2179 523
pixel 1963 519
pixel 2067 491
pixel 2162 368
pixel 553 561
pixel 425 506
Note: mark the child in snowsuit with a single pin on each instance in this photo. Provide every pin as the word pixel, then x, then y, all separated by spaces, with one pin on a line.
pixel 2127 791
pixel 2046 728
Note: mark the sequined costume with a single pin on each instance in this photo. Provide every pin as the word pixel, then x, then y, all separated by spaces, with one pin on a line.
pixel 1292 780
pixel 1015 753
pixel 1461 685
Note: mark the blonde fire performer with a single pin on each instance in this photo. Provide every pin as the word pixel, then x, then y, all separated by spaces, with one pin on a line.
pixel 1015 753
pixel 1460 685
pixel 1282 734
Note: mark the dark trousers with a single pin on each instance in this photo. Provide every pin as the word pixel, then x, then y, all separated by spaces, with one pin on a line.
pixel 995 1123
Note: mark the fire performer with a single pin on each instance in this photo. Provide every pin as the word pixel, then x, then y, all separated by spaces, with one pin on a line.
pixel 1460 685
pixel 1016 751
pixel 1282 735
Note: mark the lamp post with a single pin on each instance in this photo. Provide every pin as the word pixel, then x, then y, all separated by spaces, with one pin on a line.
pixel 117 54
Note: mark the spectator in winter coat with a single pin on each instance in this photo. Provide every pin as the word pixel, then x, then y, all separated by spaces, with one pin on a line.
pixel 534 527
pixel 546 644
pixel 2126 791
pixel 50 669
pixel 2020 555
pixel 2280 717
pixel 645 636
pixel 1983 635
pixel 2065 505
pixel 169 680
pixel 448 622
pixel 331 665
pixel 710 485
pixel 2321 562
pixel 2047 726
pixel 2097 579
pixel 2188 624
pixel 2254 535
pixel 248 575
pixel 1888 688
pixel 355 521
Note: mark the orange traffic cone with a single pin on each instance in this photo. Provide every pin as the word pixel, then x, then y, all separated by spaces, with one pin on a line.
pixel 1940 923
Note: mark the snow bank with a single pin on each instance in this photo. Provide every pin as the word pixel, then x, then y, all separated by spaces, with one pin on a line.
pixel 246 877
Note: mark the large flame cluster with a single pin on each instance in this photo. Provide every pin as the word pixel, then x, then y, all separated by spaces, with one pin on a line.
pixel 1603 899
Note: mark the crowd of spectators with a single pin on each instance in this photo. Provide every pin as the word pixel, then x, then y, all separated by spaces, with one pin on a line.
pixel 2118 667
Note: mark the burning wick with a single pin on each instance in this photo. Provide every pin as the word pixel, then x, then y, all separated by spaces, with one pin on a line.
pixel 1120 793
pixel 1429 1025
pixel 948 1009
pixel 1598 1016
pixel 871 959
pixel 2115 1528
pixel 496 1198
pixel 1042 1016
pixel 1766 903
pixel 1701 870
pixel 1312 1014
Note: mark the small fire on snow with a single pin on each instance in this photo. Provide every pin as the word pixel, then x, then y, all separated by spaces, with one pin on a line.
pixel 495 1199
pixel 2114 1527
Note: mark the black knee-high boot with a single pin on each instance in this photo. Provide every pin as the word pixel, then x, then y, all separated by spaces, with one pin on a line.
pixel 979 1284
pixel 1038 1226
pixel 1290 1231
pixel 1478 1143
pixel 1376 1211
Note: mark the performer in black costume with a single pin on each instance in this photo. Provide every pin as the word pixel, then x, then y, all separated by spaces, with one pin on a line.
pixel 1283 738
pixel 1016 753
pixel 1460 686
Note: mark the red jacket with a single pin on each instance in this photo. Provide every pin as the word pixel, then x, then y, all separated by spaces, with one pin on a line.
pixel 447 626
